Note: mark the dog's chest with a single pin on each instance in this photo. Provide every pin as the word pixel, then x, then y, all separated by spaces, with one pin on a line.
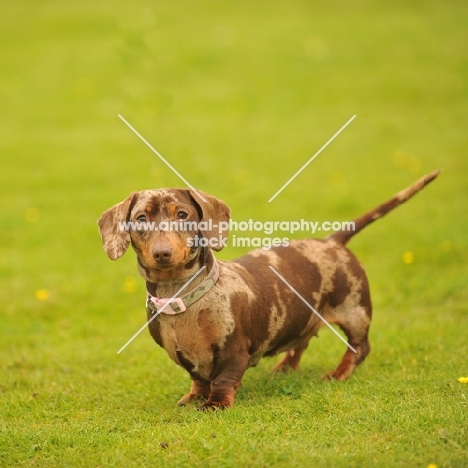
pixel 192 339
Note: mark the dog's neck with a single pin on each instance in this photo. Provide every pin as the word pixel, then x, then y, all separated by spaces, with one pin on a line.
pixel 173 280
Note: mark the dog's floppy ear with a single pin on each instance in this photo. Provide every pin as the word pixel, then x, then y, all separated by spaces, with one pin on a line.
pixel 216 211
pixel 114 239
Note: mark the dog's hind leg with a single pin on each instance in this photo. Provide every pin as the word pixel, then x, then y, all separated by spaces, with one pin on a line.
pixel 290 360
pixel 356 328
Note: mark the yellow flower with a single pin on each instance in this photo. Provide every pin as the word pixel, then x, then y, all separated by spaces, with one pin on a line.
pixel 432 465
pixel 408 257
pixel 42 294
pixel 463 379
pixel 32 215
pixel 130 285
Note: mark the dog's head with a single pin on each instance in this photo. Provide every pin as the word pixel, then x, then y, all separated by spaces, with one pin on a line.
pixel 168 228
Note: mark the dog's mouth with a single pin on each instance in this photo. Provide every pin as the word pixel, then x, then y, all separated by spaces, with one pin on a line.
pixel 154 267
pixel 164 266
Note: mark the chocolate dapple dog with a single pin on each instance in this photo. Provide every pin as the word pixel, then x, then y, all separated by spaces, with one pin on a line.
pixel 234 313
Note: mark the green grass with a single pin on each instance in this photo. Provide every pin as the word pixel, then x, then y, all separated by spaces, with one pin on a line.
pixel 237 96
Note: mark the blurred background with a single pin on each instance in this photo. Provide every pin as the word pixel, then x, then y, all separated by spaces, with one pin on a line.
pixel 237 96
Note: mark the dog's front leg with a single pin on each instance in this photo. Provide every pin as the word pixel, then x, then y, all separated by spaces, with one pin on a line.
pixel 225 384
pixel 200 390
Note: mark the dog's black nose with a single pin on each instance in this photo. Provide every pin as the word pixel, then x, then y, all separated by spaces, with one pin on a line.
pixel 162 254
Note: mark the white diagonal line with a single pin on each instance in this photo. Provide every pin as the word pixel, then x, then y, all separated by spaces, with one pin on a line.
pixel 160 157
pixel 313 310
pixel 312 158
pixel 160 310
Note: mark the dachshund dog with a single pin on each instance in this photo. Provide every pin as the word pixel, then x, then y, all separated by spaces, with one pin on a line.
pixel 217 319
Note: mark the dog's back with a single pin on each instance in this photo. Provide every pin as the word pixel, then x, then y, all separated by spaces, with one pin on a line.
pixel 304 286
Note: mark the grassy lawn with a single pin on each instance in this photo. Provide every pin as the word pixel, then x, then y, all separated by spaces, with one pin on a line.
pixel 237 96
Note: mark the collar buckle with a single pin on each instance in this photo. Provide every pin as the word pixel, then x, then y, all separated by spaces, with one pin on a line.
pixel 176 305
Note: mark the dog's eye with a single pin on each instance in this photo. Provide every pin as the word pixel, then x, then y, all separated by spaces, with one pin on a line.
pixel 141 219
pixel 182 215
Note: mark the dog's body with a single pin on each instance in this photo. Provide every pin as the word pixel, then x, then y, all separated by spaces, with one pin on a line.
pixel 249 312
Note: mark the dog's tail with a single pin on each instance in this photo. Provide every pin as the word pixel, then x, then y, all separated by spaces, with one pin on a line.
pixel 360 223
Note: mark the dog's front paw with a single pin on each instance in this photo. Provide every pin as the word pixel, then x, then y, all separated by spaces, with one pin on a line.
pixel 328 376
pixel 200 390
pixel 189 398
pixel 338 374
pixel 216 405
pixel 220 400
